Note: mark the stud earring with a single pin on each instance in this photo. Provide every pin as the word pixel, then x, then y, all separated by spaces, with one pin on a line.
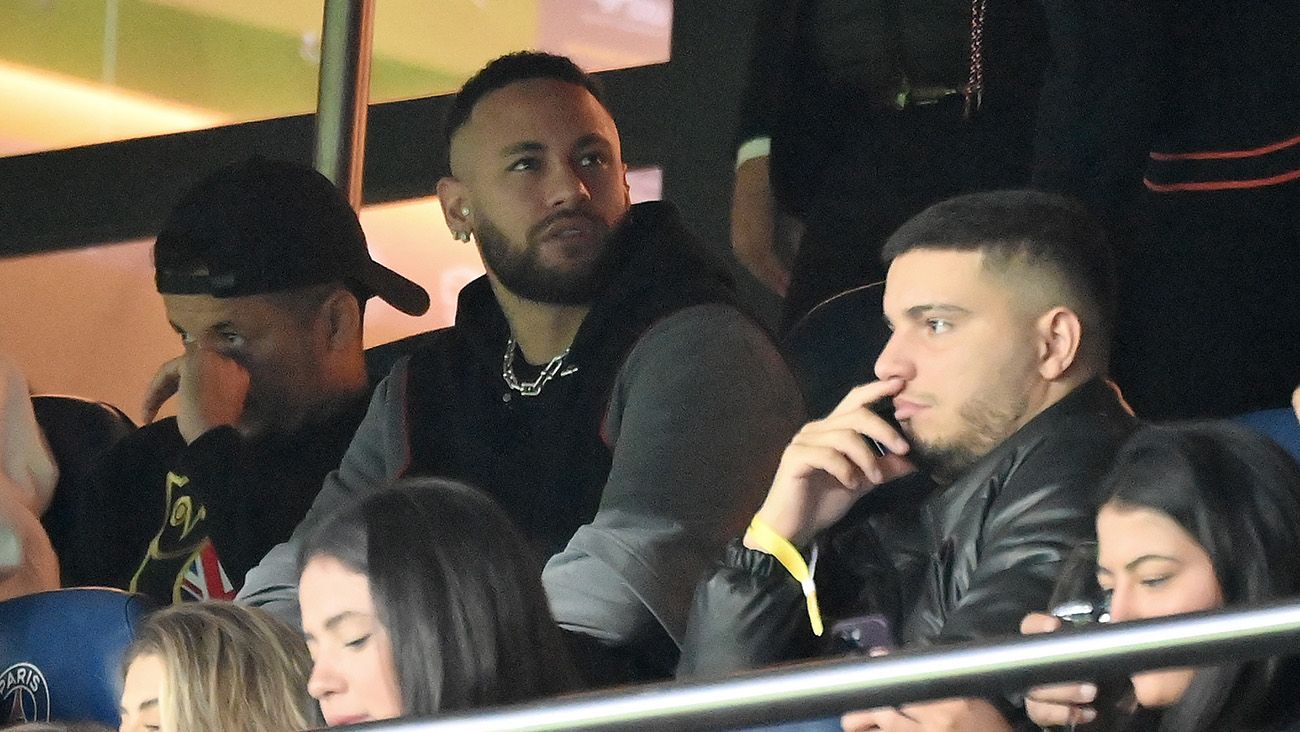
pixel 464 210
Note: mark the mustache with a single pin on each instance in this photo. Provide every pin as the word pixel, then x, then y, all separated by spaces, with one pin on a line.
pixel 541 227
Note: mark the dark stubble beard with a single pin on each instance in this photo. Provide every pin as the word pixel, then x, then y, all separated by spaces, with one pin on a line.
pixel 986 426
pixel 523 273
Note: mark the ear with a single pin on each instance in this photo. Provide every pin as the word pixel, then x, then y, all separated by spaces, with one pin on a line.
pixel 456 207
pixel 341 315
pixel 1059 332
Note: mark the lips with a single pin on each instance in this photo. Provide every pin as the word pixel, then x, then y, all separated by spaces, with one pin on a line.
pixel 571 226
pixel 904 409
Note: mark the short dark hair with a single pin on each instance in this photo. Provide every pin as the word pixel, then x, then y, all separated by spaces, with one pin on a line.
pixel 459 590
pixel 505 70
pixel 1237 494
pixel 1044 231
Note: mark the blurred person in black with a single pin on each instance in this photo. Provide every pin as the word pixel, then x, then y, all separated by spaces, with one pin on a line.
pixel 860 113
pixel 1180 123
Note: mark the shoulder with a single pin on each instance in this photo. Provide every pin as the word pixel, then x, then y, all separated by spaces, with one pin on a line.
pixel 710 358
pixel 133 470
pixel 713 332
pixel 1076 436
pixel 156 440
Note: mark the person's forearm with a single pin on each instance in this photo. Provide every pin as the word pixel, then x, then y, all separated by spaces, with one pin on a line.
pixel 753 225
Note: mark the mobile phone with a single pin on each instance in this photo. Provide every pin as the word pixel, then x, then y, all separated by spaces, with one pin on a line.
pixel 861 633
pixel 1081 612
pixel 883 408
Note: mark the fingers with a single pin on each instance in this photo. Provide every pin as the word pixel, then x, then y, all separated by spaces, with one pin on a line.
pixel 1034 623
pixel 854 411
pixel 882 718
pixel 1061 704
pixel 839 451
pixel 1057 704
pixel 213 391
pixel 163 386
pixel 861 396
pixel 895 466
pixel 224 372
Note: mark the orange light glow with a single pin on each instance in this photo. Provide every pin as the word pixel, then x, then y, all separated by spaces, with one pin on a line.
pixel 59 111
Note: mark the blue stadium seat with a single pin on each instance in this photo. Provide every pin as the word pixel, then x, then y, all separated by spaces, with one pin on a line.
pixel 1279 424
pixel 61 654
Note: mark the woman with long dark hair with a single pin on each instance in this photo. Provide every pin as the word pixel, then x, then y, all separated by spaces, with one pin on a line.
pixel 423 599
pixel 1198 516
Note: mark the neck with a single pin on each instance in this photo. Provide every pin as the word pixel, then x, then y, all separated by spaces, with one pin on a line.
pixel 541 330
pixel 1054 391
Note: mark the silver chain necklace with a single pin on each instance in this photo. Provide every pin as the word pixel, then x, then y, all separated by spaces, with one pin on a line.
pixel 551 370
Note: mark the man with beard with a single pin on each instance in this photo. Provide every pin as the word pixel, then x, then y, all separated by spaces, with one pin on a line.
pixel 1000 309
pixel 598 382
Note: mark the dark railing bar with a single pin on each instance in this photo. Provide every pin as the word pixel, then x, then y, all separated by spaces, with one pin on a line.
pixel 831 687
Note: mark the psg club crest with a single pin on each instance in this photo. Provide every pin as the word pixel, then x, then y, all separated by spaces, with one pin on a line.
pixel 24 695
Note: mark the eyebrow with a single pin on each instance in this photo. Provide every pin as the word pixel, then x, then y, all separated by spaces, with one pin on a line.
pixel 150 704
pixel 591 138
pixel 1144 558
pixel 532 146
pixel 522 147
pixel 215 326
pixel 917 311
pixel 334 621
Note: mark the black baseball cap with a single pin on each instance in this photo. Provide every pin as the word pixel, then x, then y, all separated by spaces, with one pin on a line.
pixel 265 226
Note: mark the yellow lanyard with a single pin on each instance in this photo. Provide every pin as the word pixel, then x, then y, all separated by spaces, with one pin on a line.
pixel 766 539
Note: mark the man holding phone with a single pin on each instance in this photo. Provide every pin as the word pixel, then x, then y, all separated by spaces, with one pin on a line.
pixel 1000 310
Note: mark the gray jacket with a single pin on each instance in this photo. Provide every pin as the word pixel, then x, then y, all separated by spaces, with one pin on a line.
pixel 699 414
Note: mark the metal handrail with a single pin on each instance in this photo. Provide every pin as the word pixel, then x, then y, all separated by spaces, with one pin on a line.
pixel 343 97
pixel 827 688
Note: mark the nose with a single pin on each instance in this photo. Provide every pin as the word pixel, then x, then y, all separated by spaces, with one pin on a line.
pixel 325 680
pixel 1121 606
pixel 567 187
pixel 893 362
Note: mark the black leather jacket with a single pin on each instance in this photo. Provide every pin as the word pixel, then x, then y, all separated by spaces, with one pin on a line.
pixel 943 564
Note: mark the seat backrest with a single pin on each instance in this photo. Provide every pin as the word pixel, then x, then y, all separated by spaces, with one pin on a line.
pixel 380 359
pixel 79 431
pixel 833 348
pixel 1280 425
pixel 61 654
